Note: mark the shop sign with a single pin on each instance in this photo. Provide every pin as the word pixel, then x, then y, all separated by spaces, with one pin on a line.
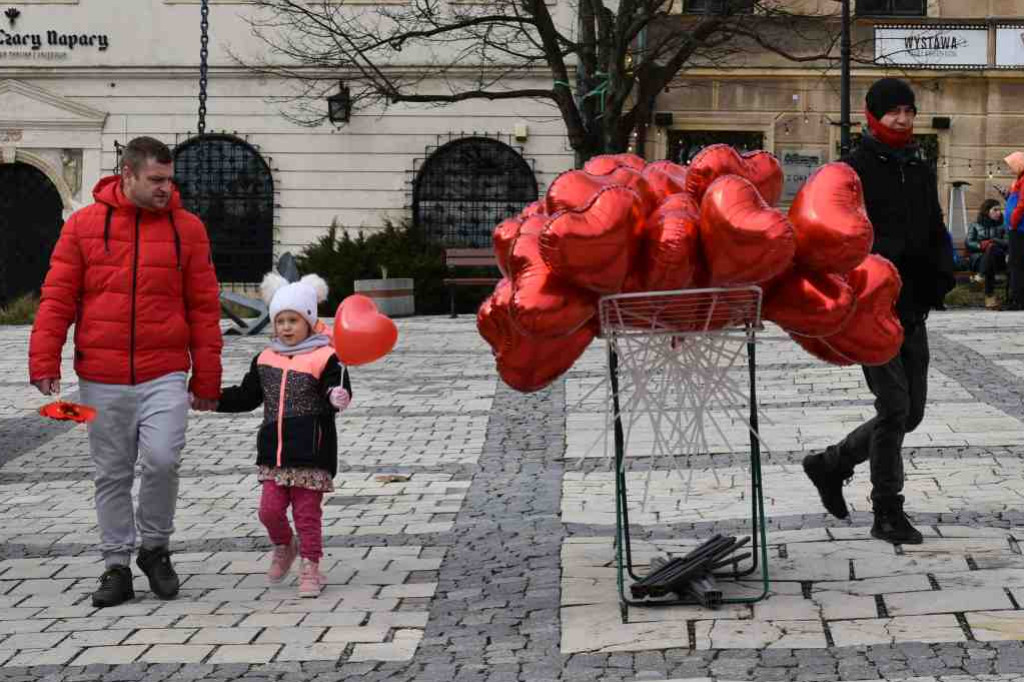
pixel 797 166
pixel 48 45
pixel 932 46
pixel 1010 46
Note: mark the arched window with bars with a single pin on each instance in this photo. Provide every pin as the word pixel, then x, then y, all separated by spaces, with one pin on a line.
pixel 226 182
pixel 466 187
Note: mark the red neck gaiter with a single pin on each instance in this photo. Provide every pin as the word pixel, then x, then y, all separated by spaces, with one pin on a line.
pixel 897 139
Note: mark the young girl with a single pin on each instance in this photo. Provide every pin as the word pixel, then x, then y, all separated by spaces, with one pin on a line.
pixel 302 386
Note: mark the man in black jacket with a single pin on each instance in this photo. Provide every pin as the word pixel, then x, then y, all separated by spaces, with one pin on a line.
pixel 902 200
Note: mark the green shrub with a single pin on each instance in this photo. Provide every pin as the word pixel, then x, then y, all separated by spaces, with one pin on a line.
pixel 401 249
pixel 20 311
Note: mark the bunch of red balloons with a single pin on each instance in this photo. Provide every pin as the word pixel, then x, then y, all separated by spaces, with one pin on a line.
pixel 624 225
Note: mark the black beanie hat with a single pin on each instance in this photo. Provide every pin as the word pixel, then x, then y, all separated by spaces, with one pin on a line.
pixel 887 94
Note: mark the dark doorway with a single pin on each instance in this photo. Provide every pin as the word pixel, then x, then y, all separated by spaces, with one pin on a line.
pixel 684 144
pixel 31 215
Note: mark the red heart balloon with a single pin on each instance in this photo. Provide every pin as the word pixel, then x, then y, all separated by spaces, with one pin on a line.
pixel 542 304
pixel 765 171
pixel 362 334
pixel 527 363
pixel 873 335
pixel 709 164
pixel 744 240
pixel 681 201
pixel 493 320
pixel 665 178
pixel 833 232
pixel 820 349
pixel 532 363
pixel 592 247
pixel 669 250
pixel 573 189
pixel 809 303
pixel 532 209
pixel 606 163
pixel 503 237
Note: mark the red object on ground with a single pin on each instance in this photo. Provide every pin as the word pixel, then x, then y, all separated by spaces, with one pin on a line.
pixel 62 410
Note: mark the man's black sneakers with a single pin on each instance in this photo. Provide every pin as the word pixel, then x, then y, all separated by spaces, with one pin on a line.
pixel 829 483
pixel 156 564
pixel 893 525
pixel 115 587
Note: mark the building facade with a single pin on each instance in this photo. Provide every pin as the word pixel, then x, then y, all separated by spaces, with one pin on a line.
pixel 965 59
pixel 79 78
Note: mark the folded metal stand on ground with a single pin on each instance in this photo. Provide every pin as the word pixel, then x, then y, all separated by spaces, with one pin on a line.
pixel 670 360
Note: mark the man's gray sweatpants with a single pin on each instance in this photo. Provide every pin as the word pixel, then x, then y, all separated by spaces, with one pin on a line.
pixel 150 419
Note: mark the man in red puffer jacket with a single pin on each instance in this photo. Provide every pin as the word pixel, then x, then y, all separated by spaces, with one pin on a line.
pixel 134 272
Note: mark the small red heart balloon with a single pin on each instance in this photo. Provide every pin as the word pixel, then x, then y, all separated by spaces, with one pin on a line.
pixel 744 240
pixel 809 303
pixel 764 170
pixel 503 237
pixel 527 363
pixel 833 232
pixel 606 163
pixel 670 251
pixel 542 304
pixel 531 363
pixel 709 164
pixel 493 320
pixel 533 208
pixel 573 189
pixel 593 246
pixel 361 333
pixel 681 201
pixel 873 335
pixel 665 178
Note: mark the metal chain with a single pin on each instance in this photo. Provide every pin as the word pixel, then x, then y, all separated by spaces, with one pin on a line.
pixel 204 54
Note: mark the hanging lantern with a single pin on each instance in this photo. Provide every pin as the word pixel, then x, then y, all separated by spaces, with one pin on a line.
pixel 339 105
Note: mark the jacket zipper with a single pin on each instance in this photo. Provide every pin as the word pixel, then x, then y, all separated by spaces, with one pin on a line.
pixel 280 417
pixel 135 276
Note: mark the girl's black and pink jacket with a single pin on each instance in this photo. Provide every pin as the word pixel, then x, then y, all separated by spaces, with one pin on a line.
pixel 298 419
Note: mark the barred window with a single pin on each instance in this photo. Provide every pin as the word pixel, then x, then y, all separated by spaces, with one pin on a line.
pixel 467 187
pixel 226 182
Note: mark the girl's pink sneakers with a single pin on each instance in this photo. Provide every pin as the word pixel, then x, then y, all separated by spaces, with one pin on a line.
pixel 311 580
pixel 282 559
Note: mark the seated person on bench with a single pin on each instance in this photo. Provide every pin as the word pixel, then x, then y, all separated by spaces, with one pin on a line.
pixel 987 247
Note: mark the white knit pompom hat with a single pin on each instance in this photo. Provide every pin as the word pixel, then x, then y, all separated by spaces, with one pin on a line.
pixel 301 297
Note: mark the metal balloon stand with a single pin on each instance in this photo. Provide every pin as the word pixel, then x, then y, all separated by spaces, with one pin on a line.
pixel 670 356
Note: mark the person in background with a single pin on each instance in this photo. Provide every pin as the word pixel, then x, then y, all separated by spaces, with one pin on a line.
pixel 1013 216
pixel 987 247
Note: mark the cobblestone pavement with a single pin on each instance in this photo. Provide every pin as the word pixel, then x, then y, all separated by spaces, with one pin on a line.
pixel 493 558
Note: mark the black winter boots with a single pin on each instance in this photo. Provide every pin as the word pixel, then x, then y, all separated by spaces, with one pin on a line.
pixel 893 525
pixel 829 482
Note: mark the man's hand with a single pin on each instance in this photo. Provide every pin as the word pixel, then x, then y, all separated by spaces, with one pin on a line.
pixel 201 404
pixel 48 386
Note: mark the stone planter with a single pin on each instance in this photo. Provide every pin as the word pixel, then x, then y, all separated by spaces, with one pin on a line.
pixel 393 296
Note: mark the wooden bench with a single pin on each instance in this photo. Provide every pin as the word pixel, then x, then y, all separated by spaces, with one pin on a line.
pixel 468 258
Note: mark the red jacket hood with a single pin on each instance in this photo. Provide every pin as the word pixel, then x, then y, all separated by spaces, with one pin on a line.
pixel 108 191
